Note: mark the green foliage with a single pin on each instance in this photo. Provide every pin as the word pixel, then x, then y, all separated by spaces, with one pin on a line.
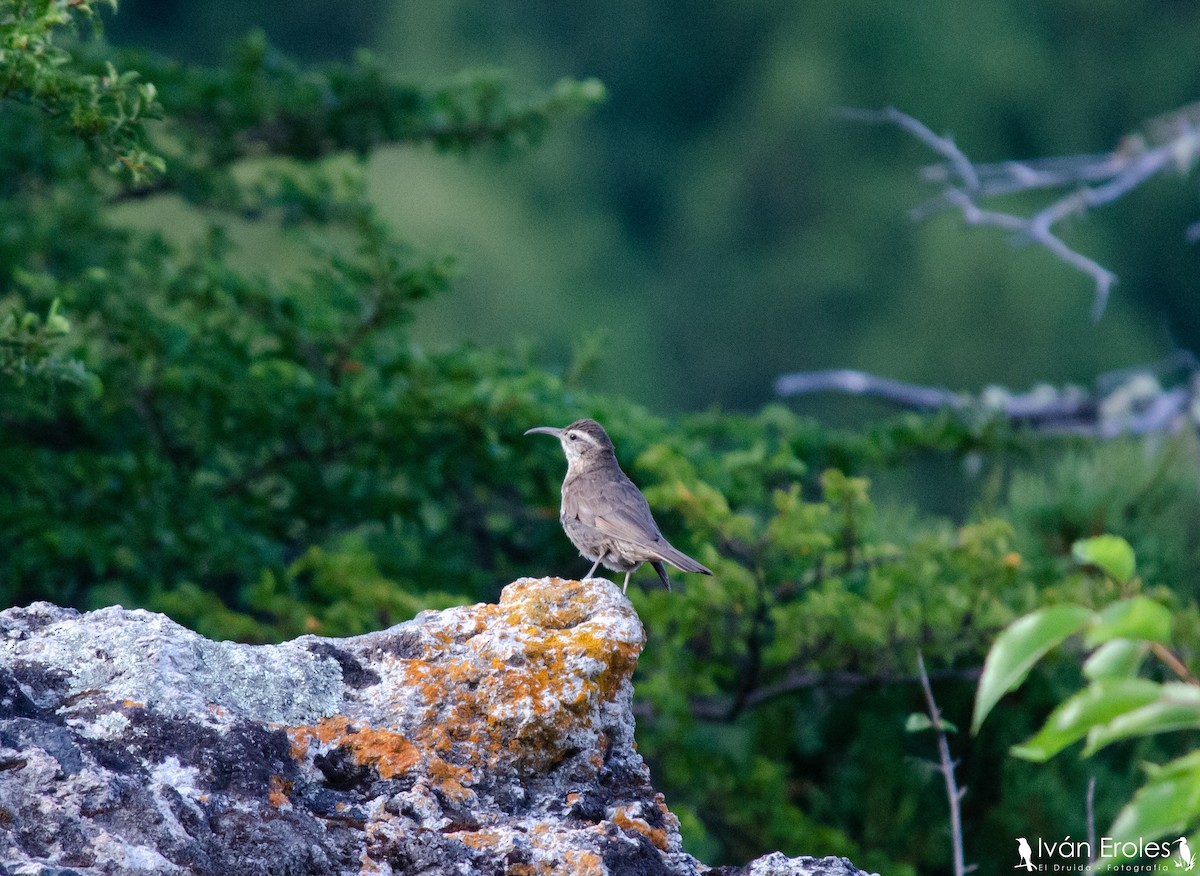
pixel 237 441
pixel 1118 703
pixel 247 420
pixel 1110 553
pixel 809 594
pixel 28 344
pixel 1020 647
pixel 263 104
pixel 1145 491
pixel 44 85
pixel 104 110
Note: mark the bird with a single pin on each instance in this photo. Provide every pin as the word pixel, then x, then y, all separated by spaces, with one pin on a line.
pixel 603 513
pixel 1186 859
pixel 1025 853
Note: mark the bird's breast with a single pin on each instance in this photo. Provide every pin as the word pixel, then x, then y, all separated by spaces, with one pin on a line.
pixel 567 496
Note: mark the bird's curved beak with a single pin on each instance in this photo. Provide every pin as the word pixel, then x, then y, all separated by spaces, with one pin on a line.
pixel 544 430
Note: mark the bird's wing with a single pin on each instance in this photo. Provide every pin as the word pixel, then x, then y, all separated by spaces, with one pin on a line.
pixel 618 509
pixel 622 512
pixel 624 527
pixel 613 512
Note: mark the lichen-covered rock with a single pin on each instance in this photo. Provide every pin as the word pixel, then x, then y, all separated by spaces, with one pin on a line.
pixel 486 739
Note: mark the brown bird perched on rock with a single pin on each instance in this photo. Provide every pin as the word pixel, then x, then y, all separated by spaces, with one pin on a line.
pixel 603 513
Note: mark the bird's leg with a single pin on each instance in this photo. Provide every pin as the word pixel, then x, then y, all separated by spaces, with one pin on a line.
pixel 625 586
pixel 592 570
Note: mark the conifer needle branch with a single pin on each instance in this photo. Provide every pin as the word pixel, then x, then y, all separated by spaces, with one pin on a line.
pixel 1169 142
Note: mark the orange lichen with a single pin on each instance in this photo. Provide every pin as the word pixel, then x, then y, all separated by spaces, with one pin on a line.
pixel 661 802
pixel 556 665
pixel 574 862
pixel 584 863
pixel 449 779
pixel 624 820
pixel 506 687
pixel 482 840
pixel 279 791
pixel 388 753
pixel 369 867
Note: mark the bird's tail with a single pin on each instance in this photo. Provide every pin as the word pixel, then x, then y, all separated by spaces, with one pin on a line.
pixel 681 561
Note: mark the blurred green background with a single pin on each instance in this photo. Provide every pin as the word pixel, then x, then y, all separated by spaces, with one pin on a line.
pixel 273 407
pixel 716 223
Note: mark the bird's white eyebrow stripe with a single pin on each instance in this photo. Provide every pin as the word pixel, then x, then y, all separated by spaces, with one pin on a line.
pixel 586 436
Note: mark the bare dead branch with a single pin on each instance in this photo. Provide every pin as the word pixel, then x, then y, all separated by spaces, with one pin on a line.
pixel 846 380
pixel 1171 142
pixel 1136 401
pixel 944 146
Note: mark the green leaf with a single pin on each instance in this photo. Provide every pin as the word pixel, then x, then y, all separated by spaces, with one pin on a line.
pixel 919 721
pixel 1110 553
pixel 1019 647
pixel 1096 705
pixel 1116 658
pixel 1136 618
pixel 1177 708
pixel 1164 807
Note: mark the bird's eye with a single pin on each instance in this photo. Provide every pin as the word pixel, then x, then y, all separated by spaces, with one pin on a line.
pixel 572 436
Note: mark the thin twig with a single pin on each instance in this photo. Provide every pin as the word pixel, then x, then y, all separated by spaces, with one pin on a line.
pixel 953 794
pixel 1090 811
pixel 752 665
pixel 1163 653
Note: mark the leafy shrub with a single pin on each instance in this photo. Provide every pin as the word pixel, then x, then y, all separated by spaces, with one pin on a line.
pixel 1119 702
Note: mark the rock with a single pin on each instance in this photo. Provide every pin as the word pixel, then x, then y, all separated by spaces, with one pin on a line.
pixel 485 739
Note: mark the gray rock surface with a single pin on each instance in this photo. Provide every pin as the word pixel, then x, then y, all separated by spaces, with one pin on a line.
pixel 485 739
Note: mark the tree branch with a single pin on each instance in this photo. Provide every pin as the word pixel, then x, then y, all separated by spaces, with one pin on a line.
pixel 1130 401
pixel 1171 142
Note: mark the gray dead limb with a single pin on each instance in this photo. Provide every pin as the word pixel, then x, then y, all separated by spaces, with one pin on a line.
pixel 1170 142
pixel 1150 399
